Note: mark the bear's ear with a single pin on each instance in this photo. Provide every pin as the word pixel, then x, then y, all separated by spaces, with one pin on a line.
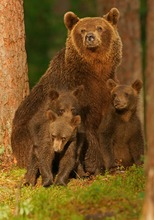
pixel 78 91
pixel 53 94
pixel 70 19
pixel 76 120
pixel 112 16
pixel 137 85
pixel 111 84
pixel 51 115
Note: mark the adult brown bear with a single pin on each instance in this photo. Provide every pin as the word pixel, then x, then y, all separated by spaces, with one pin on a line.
pixel 92 54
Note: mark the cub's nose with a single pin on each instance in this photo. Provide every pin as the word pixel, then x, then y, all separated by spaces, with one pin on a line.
pixel 90 37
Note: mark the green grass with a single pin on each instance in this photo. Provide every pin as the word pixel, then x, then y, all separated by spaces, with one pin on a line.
pixel 109 197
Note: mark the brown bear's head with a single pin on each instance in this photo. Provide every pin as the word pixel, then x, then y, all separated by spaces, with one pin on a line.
pixel 66 102
pixel 62 129
pixel 124 97
pixel 93 35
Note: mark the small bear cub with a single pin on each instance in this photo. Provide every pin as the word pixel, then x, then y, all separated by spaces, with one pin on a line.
pixel 60 137
pixel 120 133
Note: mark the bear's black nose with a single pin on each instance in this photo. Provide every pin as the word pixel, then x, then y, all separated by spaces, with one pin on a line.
pixel 90 37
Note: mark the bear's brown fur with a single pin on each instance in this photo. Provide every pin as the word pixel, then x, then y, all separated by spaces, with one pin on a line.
pixel 64 102
pixel 58 135
pixel 91 57
pixel 121 132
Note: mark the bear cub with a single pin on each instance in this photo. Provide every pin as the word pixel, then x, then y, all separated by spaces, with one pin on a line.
pixel 120 133
pixel 59 140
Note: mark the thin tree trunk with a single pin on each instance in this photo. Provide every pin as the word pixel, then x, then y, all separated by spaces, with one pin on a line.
pixel 13 66
pixel 61 7
pixel 148 209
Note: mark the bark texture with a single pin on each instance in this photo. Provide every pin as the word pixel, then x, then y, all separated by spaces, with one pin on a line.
pixel 148 209
pixel 14 84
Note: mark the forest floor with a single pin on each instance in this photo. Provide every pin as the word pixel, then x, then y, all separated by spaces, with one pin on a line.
pixel 111 197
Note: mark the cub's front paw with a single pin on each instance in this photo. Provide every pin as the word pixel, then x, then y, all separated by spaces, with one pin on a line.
pixel 46 182
pixel 60 181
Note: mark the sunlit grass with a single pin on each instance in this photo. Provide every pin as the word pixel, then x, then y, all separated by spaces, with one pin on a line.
pixel 118 196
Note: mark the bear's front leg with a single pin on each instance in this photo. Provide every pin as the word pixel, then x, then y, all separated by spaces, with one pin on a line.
pixel 105 140
pixel 66 165
pixel 136 147
pixel 32 170
pixel 94 163
pixel 45 155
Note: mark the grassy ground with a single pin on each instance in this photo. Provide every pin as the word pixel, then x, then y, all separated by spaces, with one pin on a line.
pixel 110 197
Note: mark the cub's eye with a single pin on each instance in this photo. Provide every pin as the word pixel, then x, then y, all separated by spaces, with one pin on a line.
pixel 99 29
pixel 83 31
pixel 61 111
pixel 114 95
pixel 73 110
pixel 126 94
pixel 63 138
pixel 53 136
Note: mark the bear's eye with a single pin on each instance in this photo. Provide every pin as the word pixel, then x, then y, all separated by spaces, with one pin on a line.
pixel 61 111
pixel 126 94
pixel 53 136
pixel 63 138
pixel 99 29
pixel 114 95
pixel 73 111
pixel 83 31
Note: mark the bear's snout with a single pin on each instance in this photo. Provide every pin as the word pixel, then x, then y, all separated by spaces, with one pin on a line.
pixel 120 103
pixel 57 145
pixel 92 40
pixel 90 37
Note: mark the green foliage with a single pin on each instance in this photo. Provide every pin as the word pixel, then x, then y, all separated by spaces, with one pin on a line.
pixel 4 212
pixel 119 196
pixel 2 149
pixel 45 35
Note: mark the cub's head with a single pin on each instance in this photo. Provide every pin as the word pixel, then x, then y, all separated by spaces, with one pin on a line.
pixel 124 97
pixel 66 102
pixel 62 129
pixel 93 34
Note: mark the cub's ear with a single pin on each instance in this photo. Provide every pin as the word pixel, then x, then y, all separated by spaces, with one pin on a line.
pixel 76 120
pixel 53 94
pixel 112 16
pixel 51 115
pixel 78 91
pixel 70 19
pixel 137 85
pixel 111 84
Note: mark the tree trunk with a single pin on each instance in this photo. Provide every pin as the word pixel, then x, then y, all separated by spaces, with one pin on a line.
pixel 148 210
pixel 14 84
pixel 61 7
